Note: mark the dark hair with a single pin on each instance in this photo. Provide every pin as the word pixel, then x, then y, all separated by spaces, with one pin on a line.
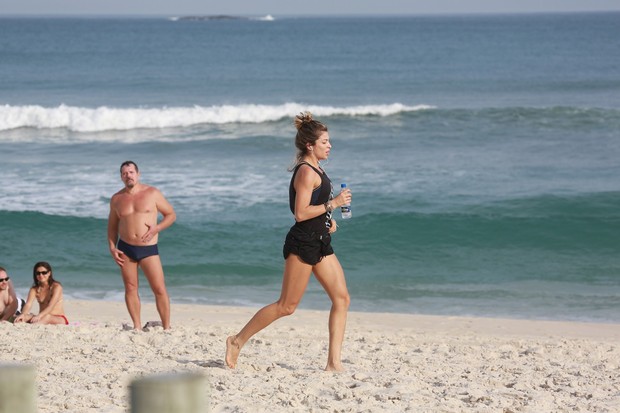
pixel 127 163
pixel 308 131
pixel 47 266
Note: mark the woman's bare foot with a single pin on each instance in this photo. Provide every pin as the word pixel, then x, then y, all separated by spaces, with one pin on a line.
pixel 334 367
pixel 232 351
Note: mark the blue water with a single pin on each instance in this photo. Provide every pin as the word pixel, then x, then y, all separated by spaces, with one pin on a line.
pixel 482 152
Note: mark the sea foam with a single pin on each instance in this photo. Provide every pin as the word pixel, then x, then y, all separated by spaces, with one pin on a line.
pixel 81 119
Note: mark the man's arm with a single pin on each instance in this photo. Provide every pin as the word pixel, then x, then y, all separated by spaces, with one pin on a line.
pixel 113 221
pixel 168 216
pixel 11 308
pixel 167 212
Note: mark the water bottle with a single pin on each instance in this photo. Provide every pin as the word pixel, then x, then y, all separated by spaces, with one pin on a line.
pixel 345 209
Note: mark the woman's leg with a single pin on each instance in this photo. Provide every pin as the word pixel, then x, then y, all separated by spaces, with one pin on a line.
pixel 52 319
pixel 294 283
pixel 331 276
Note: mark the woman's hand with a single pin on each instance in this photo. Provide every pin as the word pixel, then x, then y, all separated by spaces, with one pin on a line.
pixel 334 227
pixel 23 318
pixel 343 198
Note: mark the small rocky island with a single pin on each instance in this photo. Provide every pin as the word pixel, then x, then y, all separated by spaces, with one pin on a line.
pixel 214 17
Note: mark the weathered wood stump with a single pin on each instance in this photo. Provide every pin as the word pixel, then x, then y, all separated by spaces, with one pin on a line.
pixel 169 393
pixel 17 388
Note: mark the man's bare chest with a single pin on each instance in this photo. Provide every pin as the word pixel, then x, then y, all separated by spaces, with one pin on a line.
pixel 135 204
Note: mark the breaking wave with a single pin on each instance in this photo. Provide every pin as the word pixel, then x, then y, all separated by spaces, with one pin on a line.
pixel 81 119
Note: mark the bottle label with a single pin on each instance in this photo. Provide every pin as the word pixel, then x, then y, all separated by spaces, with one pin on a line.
pixel 345 210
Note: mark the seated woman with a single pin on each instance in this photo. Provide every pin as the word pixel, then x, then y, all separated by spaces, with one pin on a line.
pixel 48 292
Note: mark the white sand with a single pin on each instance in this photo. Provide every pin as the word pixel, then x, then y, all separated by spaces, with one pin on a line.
pixel 395 363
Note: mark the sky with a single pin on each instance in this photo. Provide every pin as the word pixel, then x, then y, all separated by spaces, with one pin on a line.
pixel 296 8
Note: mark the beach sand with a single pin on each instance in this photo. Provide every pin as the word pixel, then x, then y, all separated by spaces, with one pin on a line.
pixel 394 362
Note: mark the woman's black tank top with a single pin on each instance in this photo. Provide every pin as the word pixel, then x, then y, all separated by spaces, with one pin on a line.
pixel 320 195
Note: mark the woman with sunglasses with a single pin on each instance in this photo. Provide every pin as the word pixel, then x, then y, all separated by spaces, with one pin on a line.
pixel 48 293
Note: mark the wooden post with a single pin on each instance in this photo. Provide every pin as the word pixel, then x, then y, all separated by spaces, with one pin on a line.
pixel 169 393
pixel 17 388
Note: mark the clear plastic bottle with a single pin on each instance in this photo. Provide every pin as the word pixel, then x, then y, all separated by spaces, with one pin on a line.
pixel 345 209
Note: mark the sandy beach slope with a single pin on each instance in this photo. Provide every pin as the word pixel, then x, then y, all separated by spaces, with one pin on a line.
pixel 395 362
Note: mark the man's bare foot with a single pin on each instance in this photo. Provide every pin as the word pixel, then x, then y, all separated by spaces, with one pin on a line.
pixel 152 324
pixel 127 327
pixel 232 351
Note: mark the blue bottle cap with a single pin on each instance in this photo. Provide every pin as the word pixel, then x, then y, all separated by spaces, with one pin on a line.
pixel 343 185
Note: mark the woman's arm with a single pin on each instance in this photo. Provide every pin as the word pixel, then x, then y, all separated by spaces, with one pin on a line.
pixel 305 182
pixel 32 295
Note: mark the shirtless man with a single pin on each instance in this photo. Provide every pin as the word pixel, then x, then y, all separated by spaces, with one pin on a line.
pixel 132 237
pixel 9 304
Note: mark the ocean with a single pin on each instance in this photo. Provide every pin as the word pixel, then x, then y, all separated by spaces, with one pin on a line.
pixel 482 152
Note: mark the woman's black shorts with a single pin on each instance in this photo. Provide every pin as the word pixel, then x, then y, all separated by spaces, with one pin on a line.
pixel 311 248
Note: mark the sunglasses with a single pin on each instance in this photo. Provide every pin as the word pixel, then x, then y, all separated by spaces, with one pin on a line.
pixel 41 272
pixel 4 279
